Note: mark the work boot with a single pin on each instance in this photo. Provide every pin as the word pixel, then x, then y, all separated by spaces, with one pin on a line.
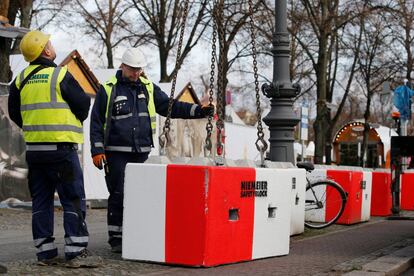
pixel 116 248
pixel 51 262
pixel 3 269
pixel 85 260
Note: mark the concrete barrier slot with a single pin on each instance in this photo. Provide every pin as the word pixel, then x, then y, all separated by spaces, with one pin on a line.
pixel 234 214
pixel 271 212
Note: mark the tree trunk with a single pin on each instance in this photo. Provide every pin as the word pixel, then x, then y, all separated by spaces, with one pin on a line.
pixel 26 13
pixel 25 7
pixel 321 123
pixel 225 68
pixel 320 127
pixel 323 114
pixel 5 71
pixel 364 147
pixel 163 65
pixel 4 8
pixel 109 55
pixel 328 140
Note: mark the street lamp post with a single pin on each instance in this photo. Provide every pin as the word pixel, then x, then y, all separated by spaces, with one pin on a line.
pixel 281 118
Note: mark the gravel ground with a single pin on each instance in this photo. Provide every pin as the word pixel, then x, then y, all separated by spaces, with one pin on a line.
pixel 18 254
pixel 15 219
pixel 17 222
pixel 20 219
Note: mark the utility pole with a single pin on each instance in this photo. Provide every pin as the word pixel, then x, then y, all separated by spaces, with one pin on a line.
pixel 281 118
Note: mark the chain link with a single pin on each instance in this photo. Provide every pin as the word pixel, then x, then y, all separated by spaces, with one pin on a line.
pixel 209 126
pixel 164 142
pixel 220 81
pixel 261 143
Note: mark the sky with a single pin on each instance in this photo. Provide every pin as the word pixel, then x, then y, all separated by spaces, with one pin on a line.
pixel 197 63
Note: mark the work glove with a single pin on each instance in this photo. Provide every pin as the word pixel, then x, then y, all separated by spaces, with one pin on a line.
pixel 207 110
pixel 99 160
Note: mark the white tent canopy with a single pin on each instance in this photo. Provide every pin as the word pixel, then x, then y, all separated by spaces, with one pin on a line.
pixel 310 149
pixel 385 134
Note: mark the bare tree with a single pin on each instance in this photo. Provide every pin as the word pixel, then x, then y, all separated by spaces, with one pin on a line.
pixel 233 37
pixel 323 24
pixel 107 21
pixel 402 32
pixel 36 14
pixel 374 66
pixel 300 71
pixel 45 13
pixel 163 19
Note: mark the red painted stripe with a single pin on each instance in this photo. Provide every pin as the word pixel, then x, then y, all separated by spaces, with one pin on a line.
pixel 351 183
pixel 333 203
pixel 407 191
pixel 229 241
pixel 198 230
pixel 185 223
pixel 381 199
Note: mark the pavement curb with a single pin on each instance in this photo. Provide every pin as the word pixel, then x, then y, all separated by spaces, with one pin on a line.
pixel 389 265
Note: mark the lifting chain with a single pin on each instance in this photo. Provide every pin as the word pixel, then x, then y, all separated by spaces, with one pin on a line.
pixel 220 85
pixel 261 143
pixel 209 126
pixel 165 138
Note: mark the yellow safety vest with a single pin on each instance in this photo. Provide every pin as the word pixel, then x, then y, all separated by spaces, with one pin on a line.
pixel 151 105
pixel 46 115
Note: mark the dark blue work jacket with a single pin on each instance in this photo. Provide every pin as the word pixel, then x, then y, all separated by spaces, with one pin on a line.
pixel 128 131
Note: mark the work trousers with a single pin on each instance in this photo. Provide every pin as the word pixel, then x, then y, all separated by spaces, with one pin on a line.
pixel 115 182
pixel 50 171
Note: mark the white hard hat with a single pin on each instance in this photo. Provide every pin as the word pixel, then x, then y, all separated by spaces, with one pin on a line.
pixel 134 58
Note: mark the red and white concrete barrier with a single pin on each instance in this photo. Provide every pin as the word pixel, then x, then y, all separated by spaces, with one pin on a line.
pixel 381 200
pixel 206 215
pixel 356 183
pixel 407 190
pixel 298 194
pixel 366 195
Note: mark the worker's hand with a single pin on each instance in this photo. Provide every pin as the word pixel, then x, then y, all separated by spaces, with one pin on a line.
pixel 207 110
pixel 99 160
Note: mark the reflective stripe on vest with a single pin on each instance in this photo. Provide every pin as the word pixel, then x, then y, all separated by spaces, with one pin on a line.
pixel 110 84
pixel 46 115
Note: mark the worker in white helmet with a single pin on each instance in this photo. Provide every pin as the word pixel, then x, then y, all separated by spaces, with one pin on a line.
pixel 123 124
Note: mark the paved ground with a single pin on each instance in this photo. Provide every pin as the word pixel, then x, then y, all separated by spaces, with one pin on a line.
pixel 333 251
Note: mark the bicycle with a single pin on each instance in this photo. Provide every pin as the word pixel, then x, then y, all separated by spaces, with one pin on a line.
pixel 325 200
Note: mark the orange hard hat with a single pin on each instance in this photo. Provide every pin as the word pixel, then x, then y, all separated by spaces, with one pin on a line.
pixel 395 115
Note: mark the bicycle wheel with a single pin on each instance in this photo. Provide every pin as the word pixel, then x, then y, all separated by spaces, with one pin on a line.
pixel 324 204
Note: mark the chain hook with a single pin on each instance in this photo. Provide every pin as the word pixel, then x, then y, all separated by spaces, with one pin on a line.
pixel 209 126
pixel 261 144
pixel 166 129
pixel 218 15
